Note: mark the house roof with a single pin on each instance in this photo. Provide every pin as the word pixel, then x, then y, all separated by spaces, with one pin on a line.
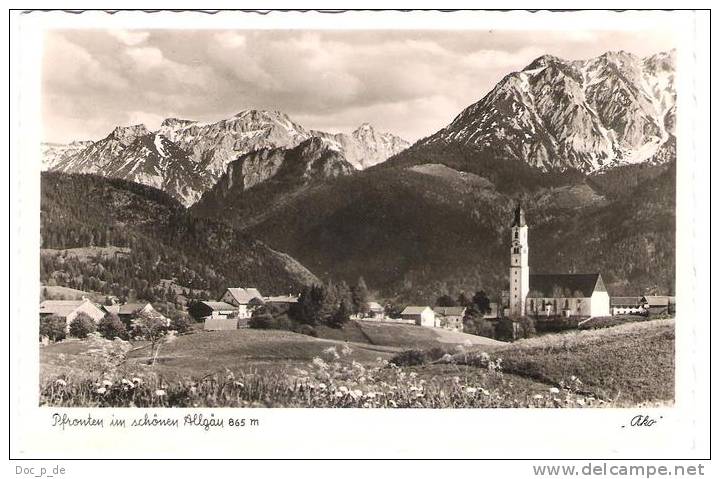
pixel 281 299
pixel 415 309
pixel 625 301
pixel 219 306
pixel 60 307
pixel 565 285
pixel 245 295
pixel 450 310
pixel 374 306
pixel 130 308
pixel 657 300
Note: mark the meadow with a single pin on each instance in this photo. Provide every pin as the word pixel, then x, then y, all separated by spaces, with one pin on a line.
pixel 621 366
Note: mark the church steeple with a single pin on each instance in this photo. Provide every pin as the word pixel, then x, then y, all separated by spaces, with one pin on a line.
pixel 519 217
pixel 519 268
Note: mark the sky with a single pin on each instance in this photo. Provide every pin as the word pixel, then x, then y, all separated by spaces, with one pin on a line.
pixel 410 83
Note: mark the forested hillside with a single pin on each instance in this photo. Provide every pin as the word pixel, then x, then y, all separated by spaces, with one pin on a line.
pixel 133 236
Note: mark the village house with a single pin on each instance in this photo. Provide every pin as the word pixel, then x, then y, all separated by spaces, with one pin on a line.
pixel 550 295
pixel 625 305
pixel 658 304
pixel 129 311
pixel 281 300
pixel 421 315
pixel 450 317
pixel 244 299
pixel 69 309
pixel 201 310
pixel 375 310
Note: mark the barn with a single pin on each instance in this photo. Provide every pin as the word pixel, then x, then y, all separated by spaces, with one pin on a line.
pixel 421 315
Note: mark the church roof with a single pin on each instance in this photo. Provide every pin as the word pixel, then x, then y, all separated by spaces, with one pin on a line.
pixel 565 285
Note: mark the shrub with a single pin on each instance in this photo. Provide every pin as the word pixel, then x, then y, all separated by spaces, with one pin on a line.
pixel 151 327
pixel 307 330
pixel 82 325
pixel 506 330
pixel 181 322
pixel 527 327
pixel 111 327
pixel 261 321
pixel 53 327
pixel 410 357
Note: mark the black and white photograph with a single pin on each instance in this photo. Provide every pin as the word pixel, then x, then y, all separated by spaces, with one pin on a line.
pixel 322 217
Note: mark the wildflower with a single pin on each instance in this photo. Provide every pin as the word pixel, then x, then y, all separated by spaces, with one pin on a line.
pixel 107 383
pixel 456 379
pixel 343 389
pixel 485 391
pixel 346 350
pixel 159 393
pixel 101 390
pixel 370 395
pixel 470 390
pixel 393 403
pixel 320 363
pixel 60 382
pixel 338 394
pixel 538 396
pixel 239 384
pixel 413 374
pixel 137 380
pixel 321 386
pixel 554 390
pixel 580 402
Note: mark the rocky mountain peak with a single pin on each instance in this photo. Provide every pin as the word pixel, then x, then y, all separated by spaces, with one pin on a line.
pixel 127 134
pixel 176 122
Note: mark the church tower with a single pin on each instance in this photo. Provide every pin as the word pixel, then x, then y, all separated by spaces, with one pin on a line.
pixel 519 269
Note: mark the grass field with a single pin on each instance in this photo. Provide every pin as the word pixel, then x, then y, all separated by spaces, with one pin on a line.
pixel 619 366
pixel 632 363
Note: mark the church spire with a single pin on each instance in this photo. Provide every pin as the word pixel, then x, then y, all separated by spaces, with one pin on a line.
pixel 519 217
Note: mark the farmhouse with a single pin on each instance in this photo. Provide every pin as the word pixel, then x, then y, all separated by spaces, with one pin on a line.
pixel 70 309
pixel 244 299
pixel 421 315
pixel 129 311
pixel 550 294
pixel 450 317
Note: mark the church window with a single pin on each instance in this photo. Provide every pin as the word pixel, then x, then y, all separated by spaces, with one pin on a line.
pixel 516 235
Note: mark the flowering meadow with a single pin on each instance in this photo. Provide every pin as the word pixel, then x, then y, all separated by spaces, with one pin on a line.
pixel 104 376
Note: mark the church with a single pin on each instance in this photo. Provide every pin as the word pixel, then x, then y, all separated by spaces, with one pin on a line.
pixel 549 295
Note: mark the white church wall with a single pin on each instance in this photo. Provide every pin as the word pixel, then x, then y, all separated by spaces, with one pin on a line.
pixel 600 304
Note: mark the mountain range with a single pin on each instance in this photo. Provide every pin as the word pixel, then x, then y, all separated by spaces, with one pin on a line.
pixel 185 158
pixel 587 147
pixel 587 115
